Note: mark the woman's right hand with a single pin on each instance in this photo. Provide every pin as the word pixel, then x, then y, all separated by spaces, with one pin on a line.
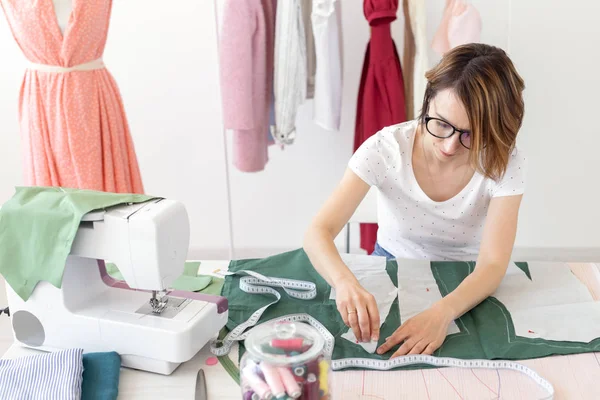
pixel 358 309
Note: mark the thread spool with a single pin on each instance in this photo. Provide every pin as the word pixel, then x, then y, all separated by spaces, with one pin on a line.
pixel 288 344
pixel 289 382
pixel 273 379
pixel 259 386
pixel 324 377
pixel 310 389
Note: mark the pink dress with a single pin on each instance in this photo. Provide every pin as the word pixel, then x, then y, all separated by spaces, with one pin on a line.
pixel 73 125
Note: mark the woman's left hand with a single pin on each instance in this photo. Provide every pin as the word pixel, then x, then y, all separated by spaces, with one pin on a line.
pixel 422 334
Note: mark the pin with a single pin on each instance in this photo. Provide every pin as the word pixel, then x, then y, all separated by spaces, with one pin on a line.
pixel 291 386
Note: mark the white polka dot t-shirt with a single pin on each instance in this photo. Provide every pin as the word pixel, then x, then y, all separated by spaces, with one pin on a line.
pixel 411 225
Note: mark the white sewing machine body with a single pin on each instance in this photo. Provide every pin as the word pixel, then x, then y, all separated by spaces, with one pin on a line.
pixel 149 243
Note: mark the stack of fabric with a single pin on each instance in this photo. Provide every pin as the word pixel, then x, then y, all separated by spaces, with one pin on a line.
pixel 66 374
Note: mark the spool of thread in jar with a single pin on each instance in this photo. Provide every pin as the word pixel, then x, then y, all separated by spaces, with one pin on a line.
pixel 258 385
pixel 312 367
pixel 291 386
pixel 310 389
pixel 288 344
pixel 323 376
pixel 273 379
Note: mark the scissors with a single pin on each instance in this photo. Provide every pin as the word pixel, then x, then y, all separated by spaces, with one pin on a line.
pixel 201 386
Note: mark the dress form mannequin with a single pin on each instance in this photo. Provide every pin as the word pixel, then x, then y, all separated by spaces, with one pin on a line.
pixel 62 9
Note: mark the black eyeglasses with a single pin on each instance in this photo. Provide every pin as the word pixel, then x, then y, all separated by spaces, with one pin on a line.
pixel 443 130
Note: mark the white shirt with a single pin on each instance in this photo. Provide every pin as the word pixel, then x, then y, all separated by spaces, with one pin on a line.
pixel 290 80
pixel 413 226
pixel 326 23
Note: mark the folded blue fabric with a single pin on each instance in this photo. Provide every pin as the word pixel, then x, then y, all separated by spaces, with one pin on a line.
pixel 101 376
pixel 55 375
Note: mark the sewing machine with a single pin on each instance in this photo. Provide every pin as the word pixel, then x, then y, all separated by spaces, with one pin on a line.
pixel 152 328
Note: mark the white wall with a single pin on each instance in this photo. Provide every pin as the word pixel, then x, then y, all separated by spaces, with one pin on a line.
pixel 165 62
pixel 555 47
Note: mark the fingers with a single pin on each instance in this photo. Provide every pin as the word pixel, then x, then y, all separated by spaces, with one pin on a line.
pixel 365 324
pixel 343 312
pixel 404 349
pixel 374 316
pixel 353 319
pixel 430 349
pixel 397 337
pixel 359 311
pixel 418 348
pixel 422 347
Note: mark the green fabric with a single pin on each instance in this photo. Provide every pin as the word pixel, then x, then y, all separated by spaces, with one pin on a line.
pixel 486 332
pixel 37 228
pixel 189 281
pixel 101 372
pixel 295 265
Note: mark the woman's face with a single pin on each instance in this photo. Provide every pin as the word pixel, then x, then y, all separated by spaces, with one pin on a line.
pixel 447 107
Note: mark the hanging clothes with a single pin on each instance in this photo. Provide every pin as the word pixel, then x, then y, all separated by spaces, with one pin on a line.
pixel 326 21
pixel 381 99
pixel 246 52
pixel 418 25
pixel 408 61
pixel 311 57
pixel 74 130
pixel 461 24
pixel 291 74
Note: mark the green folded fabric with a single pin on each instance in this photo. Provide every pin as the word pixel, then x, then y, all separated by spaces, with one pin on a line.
pixel 37 228
pixel 486 331
pixel 101 373
pixel 190 281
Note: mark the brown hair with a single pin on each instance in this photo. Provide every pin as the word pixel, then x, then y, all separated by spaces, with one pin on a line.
pixel 487 83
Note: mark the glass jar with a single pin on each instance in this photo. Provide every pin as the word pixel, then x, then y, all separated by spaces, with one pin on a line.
pixel 284 360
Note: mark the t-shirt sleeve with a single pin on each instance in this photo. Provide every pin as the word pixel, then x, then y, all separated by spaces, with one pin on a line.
pixel 368 162
pixel 514 180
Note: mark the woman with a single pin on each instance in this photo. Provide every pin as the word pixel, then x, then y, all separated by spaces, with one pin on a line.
pixel 450 185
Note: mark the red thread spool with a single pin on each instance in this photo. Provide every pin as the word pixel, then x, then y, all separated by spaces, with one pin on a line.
pixel 310 388
pixel 288 344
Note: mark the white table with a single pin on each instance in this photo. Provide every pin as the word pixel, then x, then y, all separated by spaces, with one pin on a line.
pixel 573 376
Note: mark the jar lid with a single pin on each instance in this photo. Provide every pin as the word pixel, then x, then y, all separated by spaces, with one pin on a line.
pixel 284 343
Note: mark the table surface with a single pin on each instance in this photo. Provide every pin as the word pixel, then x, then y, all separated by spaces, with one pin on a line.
pixel 573 376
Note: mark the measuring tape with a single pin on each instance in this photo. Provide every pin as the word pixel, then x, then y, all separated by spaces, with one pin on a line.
pixel 259 284
pixel 403 361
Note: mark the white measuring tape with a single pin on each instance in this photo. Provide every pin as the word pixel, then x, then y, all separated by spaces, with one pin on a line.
pixel 259 284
